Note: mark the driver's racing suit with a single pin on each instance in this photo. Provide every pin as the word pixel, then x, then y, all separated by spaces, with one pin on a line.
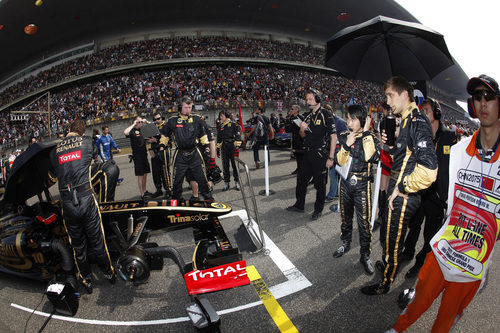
pixel 71 160
pixel 355 190
pixel 414 169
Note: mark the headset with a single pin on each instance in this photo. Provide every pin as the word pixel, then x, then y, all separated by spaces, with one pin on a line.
pixel 436 108
pixel 316 93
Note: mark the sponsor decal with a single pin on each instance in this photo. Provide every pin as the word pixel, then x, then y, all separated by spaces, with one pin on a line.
pixel 217 278
pixel 475 179
pixel 177 218
pixel 179 125
pixel 190 120
pixel 218 205
pixel 318 122
pixel 179 120
pixel 446 150
pixel 473 226
pixel 119 206
pixel 422 144
pixel 173 202
pixel 69 143
pixel 76 155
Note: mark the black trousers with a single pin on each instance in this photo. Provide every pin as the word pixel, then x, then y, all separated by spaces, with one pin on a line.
pixel 312 166
pixel 86 234
pixel 258 143
pixel 299 158
pixel 227 154
pixel 158 168
pixel 432 209
pixel 393 231
pixel 192 161
pixel 356 198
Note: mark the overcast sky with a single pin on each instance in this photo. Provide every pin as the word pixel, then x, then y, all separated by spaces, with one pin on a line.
pixel 470 29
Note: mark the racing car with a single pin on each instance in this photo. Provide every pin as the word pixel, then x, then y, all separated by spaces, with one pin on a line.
pixel 34 242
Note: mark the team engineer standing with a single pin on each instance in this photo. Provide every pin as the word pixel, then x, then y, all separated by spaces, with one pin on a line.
pixel 319 133
pixel 186 130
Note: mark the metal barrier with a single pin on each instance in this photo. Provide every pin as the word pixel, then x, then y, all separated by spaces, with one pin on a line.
pixel 253 218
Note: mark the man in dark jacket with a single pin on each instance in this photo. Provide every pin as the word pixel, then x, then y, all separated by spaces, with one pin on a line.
pixel 71 159
pixel 434 198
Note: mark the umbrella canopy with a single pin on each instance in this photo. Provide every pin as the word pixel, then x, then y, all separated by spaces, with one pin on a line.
pixel 382 47
pixel 29 175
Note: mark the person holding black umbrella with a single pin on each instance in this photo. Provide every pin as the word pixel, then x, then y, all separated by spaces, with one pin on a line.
pixel 414 169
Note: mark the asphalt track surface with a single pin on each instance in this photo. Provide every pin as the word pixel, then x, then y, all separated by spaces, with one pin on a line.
pixel 316 292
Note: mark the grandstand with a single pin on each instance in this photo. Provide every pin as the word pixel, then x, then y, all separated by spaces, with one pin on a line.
pixel 102 77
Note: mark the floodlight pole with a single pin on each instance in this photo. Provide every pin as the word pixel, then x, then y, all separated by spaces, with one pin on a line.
pixel 39 112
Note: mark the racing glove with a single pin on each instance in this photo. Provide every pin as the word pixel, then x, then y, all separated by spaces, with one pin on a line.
pixel 212 164
pixel 236 152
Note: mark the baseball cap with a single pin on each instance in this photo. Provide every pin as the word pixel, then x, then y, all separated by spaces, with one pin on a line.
pixel 482 80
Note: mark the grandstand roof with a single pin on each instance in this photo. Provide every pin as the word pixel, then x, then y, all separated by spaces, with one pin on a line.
pixel 65 24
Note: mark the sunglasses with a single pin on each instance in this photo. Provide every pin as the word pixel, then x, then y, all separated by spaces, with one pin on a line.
pixel 157 118
pixel 488 95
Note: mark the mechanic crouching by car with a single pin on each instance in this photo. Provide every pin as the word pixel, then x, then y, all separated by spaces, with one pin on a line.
pixel 71 160
pixel 186 130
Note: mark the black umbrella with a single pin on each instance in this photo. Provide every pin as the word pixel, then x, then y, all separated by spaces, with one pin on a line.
pixel 382 47
pixel 29 175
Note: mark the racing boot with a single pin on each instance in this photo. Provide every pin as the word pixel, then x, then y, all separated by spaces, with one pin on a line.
pixel 367 263
pixel 157 193
pixel 87 284
pixel 375 289
pixel 226 187
pixel 344 248
pixel 237 186
pixel 111 278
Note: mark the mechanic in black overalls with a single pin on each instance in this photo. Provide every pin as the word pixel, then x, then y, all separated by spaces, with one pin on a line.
pixel 319 133
pixel 159 160
pixel 71 160
pixel 186 131
pixel 228 140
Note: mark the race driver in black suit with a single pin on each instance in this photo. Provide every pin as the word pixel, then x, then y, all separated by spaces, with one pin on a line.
pixel 71 160
pixel 186 130
pixel 414 169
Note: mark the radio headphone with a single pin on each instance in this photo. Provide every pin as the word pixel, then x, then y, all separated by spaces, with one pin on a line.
pixel 316 93
pixel 436 108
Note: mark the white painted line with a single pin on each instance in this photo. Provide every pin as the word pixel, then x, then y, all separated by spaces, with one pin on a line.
pixel 296 281
pixel 104 322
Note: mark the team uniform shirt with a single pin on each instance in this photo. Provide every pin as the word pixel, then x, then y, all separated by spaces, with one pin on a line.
pixel 321 126
pixel 464 245
pixel 137 142
pixel 185 131
pixel 229 131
